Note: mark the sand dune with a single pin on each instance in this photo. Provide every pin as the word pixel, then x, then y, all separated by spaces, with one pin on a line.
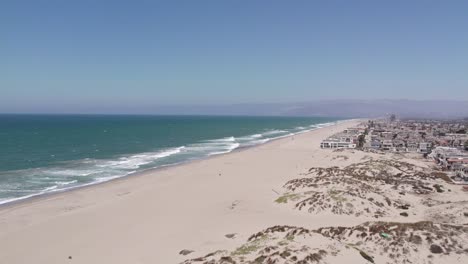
pixel 312 205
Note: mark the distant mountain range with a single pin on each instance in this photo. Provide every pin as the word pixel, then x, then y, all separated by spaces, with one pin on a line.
pixel 336 108
pixel 376 108
pixel 330 108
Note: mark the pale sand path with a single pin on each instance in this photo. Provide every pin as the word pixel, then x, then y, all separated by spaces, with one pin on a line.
pixel 151 217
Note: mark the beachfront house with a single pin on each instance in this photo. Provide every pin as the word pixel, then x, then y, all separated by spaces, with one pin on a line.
pixel 346 139
pixel 399 145
pixel 336 143
pixel 375 144
pixel 424 147
pixel 387 145
pixel 354 130
pixel 450 158
pixel 412 146
pixel 456 163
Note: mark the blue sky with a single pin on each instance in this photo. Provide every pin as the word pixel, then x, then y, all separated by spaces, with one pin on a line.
pixel 76 54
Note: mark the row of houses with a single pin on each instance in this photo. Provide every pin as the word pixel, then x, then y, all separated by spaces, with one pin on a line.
pixel 415 135
pixel 398 145
pixel 426 137
pixel 401 136
pixel 452 159
pixel 444 141
pixel 346 139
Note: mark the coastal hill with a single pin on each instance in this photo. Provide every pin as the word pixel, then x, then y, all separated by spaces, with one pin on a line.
pixel 342 108
pixel 435 109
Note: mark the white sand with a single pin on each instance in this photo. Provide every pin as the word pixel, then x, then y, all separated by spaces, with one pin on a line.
pixel 151 217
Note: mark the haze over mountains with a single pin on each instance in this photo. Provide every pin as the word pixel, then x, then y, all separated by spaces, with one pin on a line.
pixel 342 108
pixel 376 108
pixel 336 108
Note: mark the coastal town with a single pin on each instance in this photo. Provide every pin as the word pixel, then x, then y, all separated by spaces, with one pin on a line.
pixel 234 132
pixel 379 191
pixel 444 142
pixel 388 190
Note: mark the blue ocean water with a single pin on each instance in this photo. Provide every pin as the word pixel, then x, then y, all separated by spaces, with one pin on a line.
pixel 47 153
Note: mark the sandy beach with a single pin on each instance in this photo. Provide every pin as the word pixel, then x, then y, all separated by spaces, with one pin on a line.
pixel 205 206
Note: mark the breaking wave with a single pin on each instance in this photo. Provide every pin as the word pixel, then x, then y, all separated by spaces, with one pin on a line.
pixel 72 174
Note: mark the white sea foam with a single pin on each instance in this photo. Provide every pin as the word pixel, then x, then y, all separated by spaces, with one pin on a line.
pixel 48 189
pixel 320 125
pixel 63 183
pixel 9 200
pixel 220 140
pixel 255 136
pixel 97 171
pixel 249 137
pixel 109 169
pixel 283 136
pixel 135 161
pixel 69 172
pixel 260 141
pixel 227 150
pixel 108 178
pixel 273 132
pixel 54 188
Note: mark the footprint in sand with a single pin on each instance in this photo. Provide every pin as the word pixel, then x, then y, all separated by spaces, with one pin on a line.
pixel 233 235
pixel 234 204
pixel 185 252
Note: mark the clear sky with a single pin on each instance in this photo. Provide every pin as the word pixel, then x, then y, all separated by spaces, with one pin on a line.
pixel 78 54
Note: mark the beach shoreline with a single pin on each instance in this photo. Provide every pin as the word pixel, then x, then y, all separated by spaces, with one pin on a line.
pixel 285 200
pixel 243 180
pixel 143 172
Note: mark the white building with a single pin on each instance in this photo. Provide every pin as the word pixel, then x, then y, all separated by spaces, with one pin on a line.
pixel 424 147
pixel 334 143
pixel 387 145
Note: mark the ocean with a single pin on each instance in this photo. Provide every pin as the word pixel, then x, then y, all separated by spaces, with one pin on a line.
pixel 48 153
